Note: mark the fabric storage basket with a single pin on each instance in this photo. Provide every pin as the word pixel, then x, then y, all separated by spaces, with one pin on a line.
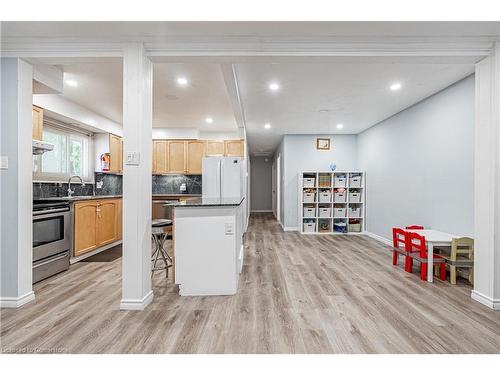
pixel 354 227
pixel 354 197
pixel 309 197
pixel 325 212
pixel 339 212
pixel 340 181
pixel 309 182
pixel 325 197
pixel 309 227
pixel 309 211
pixel 340 196
pixel 354 211
pixel 340 226
pixel 355 181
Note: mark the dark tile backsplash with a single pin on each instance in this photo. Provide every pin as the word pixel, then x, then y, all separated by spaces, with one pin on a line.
pixel 171 183
pixel 112 185
pixel 60 189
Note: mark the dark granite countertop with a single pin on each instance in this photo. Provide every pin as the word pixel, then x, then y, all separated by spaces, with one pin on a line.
pixel 77 198
pixel 207 202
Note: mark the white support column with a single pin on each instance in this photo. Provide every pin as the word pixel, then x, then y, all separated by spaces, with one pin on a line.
pixel 487 182
pixel 137 123
pixel 16 183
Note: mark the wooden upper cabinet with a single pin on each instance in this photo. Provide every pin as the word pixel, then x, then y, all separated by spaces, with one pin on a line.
pixel 37 114
pixel 160 152
pixel 234 148
pixel 176 156
pixel 195 151
pixel 85 228
pixel 115 153
pixel 107 218
pixel 215 148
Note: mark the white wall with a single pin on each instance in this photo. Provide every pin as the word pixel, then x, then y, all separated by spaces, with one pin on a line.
pixel 420 164
pixel 261 183
pixel 301 154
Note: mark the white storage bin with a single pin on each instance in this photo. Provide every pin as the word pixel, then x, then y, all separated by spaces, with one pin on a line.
pixel 309 211
pixel 354 211
pixel 309 182
pixel 354 197
pixel 339 212
pixel 325 212
pixel 325 197
pixel 340 181
pixel 309 227
pixel 309 197
pixel 355 181
pixel 340 197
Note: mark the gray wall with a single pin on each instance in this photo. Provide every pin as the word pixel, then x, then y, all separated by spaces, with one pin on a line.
pixel 420 164
pixel 301 154
pixel 261 183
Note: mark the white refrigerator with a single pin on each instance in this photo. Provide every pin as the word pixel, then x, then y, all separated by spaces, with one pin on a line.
pixel 222 177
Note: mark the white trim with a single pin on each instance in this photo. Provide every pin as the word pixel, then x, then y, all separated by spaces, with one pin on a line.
pixel 140 304
pixel 16 302
pixel 261 211
pixel 379 238
pixel 485 300
pixel 290 229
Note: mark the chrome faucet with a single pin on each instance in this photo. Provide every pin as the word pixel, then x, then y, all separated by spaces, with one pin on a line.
pixel 70 192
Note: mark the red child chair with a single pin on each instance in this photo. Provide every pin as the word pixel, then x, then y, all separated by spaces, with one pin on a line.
pixel 415 227
pixel 400 246
pixel 418 251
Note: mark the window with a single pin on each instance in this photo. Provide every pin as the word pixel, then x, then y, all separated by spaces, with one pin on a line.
pixel 70 156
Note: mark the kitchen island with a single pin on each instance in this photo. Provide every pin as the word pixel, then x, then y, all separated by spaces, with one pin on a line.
pixel 208 245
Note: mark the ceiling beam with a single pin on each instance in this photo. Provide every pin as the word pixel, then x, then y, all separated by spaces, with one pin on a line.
pixel 231 82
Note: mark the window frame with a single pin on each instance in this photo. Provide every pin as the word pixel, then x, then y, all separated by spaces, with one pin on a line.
pixel 69 133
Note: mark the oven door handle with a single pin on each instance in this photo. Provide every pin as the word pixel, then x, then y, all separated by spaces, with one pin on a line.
pixel 50 260
pixel 53 211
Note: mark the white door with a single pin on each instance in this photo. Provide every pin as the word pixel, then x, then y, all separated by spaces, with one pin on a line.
pixel 278 188
pixel 273 182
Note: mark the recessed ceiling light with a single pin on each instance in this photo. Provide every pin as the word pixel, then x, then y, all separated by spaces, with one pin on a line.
pixel 267 126
pixel 340 126
pixel 209 120
pixel 395 86
pixel 274 86
pixel 182 81
pixel 72 83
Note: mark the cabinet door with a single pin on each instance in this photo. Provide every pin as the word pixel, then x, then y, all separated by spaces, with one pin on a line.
pixel 116 153
pixel 195 153
pixel 107 221
pixel 119 221
pixel 215 148
pixel 160 157
pixel 85 230
pixel 234 148
pixel 177 156
pixel 37 113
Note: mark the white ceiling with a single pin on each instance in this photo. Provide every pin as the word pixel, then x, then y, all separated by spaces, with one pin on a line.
pixel 356 95
pixel 100 89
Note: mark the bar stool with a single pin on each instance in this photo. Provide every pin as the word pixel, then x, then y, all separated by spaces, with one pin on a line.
pixel 159 237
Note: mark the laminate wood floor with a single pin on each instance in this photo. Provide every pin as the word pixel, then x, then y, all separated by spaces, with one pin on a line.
pixel 297 294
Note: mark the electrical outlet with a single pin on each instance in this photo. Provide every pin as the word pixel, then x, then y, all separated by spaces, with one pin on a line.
pixel 4 162
pixel 229 229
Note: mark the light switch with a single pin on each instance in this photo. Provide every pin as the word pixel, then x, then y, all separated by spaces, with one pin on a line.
pixel 4 162
pixel 229 228
pixel 132 158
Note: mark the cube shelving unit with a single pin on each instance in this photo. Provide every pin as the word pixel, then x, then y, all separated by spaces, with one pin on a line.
pixel 331 202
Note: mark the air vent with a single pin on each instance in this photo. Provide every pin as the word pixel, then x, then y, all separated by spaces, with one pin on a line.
pixel 262 153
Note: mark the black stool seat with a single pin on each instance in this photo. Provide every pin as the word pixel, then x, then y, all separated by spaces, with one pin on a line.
pixel 161 223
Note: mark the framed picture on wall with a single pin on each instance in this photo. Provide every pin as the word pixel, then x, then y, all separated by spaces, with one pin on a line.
pixel 322 143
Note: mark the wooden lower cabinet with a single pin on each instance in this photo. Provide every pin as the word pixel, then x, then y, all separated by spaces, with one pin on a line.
pixel 97 223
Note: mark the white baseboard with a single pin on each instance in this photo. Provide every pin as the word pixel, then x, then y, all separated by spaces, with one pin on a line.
pixel 16 302
pixel 137 304
pixel 485 300
pixel 261 211
pixel 290 229
pixel 379 238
